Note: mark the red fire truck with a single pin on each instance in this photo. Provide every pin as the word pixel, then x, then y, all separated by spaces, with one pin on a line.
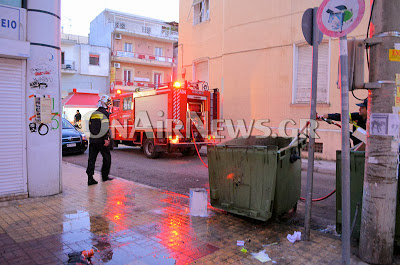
pixel 169 118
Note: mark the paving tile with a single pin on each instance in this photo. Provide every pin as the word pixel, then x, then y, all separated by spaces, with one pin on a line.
pixel 126 223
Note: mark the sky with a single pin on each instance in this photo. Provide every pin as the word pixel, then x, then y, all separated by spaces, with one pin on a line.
pixel 76 15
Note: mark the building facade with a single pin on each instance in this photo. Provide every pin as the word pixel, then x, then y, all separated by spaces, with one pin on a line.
pixel 257 56
pixel 141 49
pixel 30 135
pixel 83 66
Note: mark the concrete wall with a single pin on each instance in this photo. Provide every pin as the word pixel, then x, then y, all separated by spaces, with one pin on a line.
pixel 250 49
pixel 44 151
pixel 103 69
pixel 88 82
pixel 100 30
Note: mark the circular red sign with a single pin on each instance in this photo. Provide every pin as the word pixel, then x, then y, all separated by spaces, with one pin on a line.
pixel 337 18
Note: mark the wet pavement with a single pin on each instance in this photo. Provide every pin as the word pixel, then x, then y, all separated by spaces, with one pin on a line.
pixel 129 223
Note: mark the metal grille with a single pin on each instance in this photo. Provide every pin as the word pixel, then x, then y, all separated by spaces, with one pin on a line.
pixel 319 148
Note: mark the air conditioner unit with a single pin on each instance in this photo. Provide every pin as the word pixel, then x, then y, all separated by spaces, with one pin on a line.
pixel 118 36
pixel 117 65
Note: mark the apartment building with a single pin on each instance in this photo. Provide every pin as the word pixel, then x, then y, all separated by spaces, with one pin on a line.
pixel 257 56
pixel 141 49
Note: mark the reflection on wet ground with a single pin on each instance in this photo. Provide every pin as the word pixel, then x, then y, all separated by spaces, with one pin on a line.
pixel 127 223
pixel 122 222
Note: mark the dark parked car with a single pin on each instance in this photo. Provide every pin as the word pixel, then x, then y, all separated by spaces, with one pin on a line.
pixel 73 141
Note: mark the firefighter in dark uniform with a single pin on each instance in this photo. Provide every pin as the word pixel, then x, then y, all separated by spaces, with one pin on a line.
pixel 99 140
pixel 358 119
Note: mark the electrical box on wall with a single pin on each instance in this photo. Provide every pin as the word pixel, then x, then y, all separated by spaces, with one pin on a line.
pixel 356 52
pixel 43 109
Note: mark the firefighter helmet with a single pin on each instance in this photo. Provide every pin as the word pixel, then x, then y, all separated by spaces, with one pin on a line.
pixel 104 101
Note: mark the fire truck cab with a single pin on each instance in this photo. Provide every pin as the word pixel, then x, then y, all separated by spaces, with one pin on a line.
pixel 170 118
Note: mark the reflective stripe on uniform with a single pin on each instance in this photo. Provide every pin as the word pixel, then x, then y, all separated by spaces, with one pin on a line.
pixel 97 116
pixel 352 122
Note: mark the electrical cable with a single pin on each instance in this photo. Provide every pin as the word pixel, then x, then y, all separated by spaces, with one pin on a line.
pixel 195 146
pixel 194 141
pixel 352 92
pixel 332 192
pixel 369 23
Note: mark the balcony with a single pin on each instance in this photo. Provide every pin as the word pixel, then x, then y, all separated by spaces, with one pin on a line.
pixel 68 67
pixel 135 86
pixel 146 59
pixel 146 29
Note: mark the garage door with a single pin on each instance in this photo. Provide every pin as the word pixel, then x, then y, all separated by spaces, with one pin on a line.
pixel 12 132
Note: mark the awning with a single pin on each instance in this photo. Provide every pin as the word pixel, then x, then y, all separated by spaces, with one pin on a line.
pixel 82 100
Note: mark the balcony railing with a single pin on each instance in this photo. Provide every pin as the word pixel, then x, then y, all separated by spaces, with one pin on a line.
pixel 68 65
pixel 139 84
pixel 147 29
pixel 144 56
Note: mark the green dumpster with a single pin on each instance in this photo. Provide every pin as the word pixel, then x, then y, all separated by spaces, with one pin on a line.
pixel 357 163
pixel 255 177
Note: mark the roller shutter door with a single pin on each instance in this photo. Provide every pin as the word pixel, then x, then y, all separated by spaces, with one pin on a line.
pixel 12 128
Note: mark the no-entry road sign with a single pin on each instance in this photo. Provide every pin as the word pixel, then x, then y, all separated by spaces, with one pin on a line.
pixel 337 18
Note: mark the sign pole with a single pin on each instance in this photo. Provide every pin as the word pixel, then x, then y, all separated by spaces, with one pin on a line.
pixel 313 114
pixel 344 91
pixel 337 18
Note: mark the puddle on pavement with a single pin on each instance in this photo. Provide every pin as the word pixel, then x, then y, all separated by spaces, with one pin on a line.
pixel 170 239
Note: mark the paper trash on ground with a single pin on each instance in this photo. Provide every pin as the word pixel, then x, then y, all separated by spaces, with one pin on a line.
pixel 295 237
pixel 240 243
pixel 261 256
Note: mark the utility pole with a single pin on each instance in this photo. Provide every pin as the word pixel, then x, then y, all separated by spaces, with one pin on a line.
pixel 381 160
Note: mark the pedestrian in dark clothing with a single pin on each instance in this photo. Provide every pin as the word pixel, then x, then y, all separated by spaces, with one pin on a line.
pixel 77 119
pixel 99 140
pixel 358 119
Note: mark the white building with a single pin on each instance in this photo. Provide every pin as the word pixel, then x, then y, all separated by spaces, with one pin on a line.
pixel 84 67
pixel 30 135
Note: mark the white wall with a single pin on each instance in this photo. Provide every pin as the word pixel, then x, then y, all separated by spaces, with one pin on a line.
pixel 100 30
pixel 71 81
pixel 103 69
pixel 44 151
pixel 72 53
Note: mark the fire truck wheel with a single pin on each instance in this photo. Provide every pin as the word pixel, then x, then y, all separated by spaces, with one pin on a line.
pixel 149 149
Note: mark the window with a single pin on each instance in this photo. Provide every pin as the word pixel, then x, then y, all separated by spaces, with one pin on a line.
pixel 127 104
pixel 128 47
pixel 62 58
pixel 116 103
pixel 157 78
pixel 94 59
pixel 302 74
pixel 158 51
pixel 201 11
pixel 127 76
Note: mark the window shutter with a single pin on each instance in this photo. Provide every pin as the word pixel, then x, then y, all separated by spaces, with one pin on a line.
pixel 304 73
pixel 201 71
